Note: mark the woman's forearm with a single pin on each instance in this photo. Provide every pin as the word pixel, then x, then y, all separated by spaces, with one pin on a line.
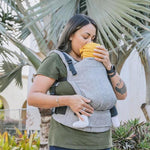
pixel 75 102
pixel 118 86
pixel 42 100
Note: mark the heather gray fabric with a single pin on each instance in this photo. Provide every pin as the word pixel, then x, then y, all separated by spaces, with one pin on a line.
pixel 92 82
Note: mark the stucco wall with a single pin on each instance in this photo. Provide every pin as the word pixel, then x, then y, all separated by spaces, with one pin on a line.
pixel 133 75
pixel 15 98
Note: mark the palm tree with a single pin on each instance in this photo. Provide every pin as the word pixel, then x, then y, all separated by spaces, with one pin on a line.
pixel 121 27
pixel 144 53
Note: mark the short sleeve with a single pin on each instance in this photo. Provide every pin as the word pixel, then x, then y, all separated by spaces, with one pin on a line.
pixel 53 67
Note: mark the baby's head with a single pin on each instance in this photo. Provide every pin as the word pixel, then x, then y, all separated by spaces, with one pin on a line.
pixel 88 50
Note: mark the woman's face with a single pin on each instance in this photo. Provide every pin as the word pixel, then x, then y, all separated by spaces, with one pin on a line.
pixel 81 37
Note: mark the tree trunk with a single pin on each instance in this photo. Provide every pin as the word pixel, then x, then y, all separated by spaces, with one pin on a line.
pixel 146 110
pixel 147 75
pixel 44 128
pixel 145 58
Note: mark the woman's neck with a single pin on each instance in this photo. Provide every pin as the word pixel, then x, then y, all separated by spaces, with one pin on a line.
pixel 75 56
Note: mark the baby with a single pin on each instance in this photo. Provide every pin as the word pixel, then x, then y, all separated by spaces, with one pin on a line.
pixel 86 52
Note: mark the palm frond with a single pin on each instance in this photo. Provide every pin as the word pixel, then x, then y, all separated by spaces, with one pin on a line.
pixel 35 61
pixel 25 32
pixel 11 19
pixel 11 65
pixel 10 71
pixel 58 20
pixel 117 18
pixel 145 42
pixel 10 4
pixel 11 56
pixel 57 13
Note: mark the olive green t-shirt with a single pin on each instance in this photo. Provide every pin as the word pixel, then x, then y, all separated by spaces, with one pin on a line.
pixel 63 136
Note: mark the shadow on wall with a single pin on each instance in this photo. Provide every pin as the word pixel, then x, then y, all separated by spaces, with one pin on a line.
pixel 4 106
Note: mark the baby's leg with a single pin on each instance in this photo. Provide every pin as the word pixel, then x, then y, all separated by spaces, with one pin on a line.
pixel 114 117
pixel 80 123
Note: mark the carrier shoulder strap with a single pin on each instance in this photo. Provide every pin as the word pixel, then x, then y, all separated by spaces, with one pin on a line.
pixel 62 110
pixel 70 64
pixel 71 68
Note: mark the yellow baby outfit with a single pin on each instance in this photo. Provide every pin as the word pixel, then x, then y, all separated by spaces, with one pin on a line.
pixel 88 50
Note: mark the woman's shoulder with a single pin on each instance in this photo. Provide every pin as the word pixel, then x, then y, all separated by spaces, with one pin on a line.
pixel 53 54
pixel 52 57
pixel 51 66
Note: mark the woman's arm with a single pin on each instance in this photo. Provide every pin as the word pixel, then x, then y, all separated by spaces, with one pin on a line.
pixel 117 83
pixel 118 86
pixel 38 97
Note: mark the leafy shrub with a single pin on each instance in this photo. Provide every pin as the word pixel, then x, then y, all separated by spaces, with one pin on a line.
pixel 132 135
pixel 20 141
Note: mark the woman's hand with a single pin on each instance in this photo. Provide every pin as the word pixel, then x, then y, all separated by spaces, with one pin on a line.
pixel 102 55
pixel 79 105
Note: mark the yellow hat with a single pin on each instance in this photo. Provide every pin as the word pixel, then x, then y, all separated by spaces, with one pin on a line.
pixel 88 50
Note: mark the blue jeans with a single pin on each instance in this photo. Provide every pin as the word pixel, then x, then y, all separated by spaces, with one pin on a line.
pixel 60 148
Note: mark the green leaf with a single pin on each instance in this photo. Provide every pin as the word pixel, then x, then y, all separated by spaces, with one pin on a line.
pixel 145 42
pixel 11 71
pixel 117 18
pixel 27 51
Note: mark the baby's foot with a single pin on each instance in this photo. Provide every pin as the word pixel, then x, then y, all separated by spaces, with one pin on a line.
pixel 115 121
pixel 80 123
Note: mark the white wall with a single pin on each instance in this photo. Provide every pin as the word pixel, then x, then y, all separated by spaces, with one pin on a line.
pixel 15 97
pixel 133 75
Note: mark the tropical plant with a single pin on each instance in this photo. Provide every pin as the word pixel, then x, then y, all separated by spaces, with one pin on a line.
pixel 19 141
pixel 121 24
pixel 132 135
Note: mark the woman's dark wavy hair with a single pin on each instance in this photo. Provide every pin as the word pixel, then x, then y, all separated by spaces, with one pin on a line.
pixel 74 24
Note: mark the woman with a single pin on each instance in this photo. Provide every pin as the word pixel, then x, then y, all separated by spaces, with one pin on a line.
pixel 79 31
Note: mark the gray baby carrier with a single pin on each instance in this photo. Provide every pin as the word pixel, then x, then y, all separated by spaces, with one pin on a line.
pixel 89 79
